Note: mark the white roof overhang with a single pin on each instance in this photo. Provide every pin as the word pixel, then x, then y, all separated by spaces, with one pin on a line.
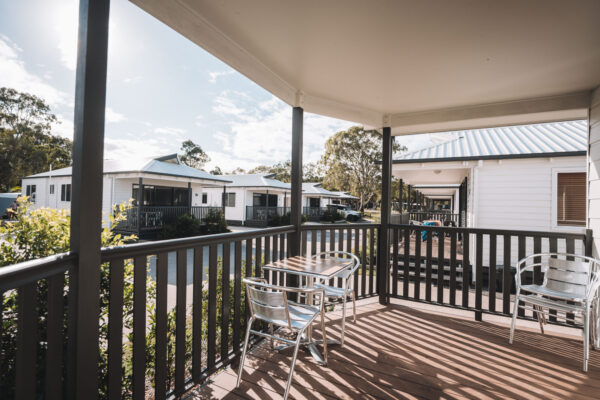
pixel 415 66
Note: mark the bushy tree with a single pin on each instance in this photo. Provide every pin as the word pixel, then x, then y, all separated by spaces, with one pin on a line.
pixel 193 155
pixel 27 145
pixel 350 162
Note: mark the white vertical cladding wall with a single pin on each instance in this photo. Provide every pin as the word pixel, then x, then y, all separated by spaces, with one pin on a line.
pixel 594 170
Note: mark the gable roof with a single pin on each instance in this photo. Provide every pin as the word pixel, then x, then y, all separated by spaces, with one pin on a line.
pixel 256 180
pixel 166 165
pixel 524 141
pixel 345 195
pixel 315 188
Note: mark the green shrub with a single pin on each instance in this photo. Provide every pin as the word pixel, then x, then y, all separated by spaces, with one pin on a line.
pixel 215 222
pixel 282 220
pixel 187 226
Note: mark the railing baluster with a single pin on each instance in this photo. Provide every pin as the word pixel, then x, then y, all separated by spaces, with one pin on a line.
pixel 570 242
pixel 406 271
pixel 267 257
pixel 197 314
pixel 282 246
pixel 452 267
pixel 180 312
pixel 521 249
pixel 417 280
pixel 363 288
pixel 304 241
pixel 27 329
pixel 492 274
pixel 313 242
pixel 553 245
pixel 349 240
pixel 115 329
pixel 54 328
pixel 139 327
pixel 466 272
pixel 247 274
pixel 440 269
pixel 340 248
pixel 372 261
pixel 478 276
pixel 212 307
pixel 275 250
pixel 237 287
pixel 428 256
pixel 506 275
pixel 537 249
pixel 257 256
pixel 162 276
pixel 225 293
pixel 357 254
pixel 395 263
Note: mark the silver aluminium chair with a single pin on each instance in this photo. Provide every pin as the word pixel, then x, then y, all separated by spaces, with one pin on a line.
pixel 269 303
pixel 347 289
pixel 570 286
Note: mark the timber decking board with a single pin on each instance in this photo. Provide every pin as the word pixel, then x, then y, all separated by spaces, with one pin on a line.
pixel 400 351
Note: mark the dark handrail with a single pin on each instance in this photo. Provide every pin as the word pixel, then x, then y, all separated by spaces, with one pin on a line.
pixel 485 231
pixel 162 246
pixel 338 226
pixel 13 276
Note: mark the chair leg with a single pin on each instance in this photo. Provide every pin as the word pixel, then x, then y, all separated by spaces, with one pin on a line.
pixel 540 318
pixel 514 319
pixel 289 381
pixel 586 339
pixel 353 305
pixel 241 367
pixel 324 338
pixel 343 321
pixel 272 341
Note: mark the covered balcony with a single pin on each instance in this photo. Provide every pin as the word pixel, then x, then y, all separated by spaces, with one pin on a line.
pixel 434 301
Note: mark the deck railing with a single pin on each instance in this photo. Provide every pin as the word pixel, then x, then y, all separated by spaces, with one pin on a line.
pixel 467 267
pixel 154 218
pixel 173 312
pixel 434 215
pixel 264 214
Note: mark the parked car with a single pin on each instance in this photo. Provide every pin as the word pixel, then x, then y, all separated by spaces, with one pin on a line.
pixel 348 213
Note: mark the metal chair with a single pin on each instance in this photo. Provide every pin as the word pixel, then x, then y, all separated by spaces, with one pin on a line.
pixel 347 289
pixel 570 285
pixel 269 303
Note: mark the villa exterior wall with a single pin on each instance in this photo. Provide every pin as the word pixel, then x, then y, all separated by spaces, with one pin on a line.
pixel 594 171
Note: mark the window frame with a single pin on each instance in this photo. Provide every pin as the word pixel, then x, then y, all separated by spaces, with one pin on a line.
pixel 227 199
pixel 554 216
pixel 204 198
pixel 65 192
pixel 51 189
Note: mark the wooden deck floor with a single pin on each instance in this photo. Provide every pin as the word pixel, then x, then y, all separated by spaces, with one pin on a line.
pixel 411 350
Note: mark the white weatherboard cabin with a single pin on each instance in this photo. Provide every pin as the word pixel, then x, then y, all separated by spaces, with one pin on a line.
pixel 169 188
pixel 250 199
pixel 527 177
pixel 315 199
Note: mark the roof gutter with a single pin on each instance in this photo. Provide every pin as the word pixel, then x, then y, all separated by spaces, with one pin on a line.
pixel 491 157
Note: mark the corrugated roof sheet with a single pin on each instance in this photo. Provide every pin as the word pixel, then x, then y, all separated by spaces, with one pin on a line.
pixel 315 188
pixel 256 180
pixel 556 137
pixel 345 195
pixel 152 166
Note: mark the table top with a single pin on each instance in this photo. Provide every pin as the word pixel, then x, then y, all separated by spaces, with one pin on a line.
pixel 317 267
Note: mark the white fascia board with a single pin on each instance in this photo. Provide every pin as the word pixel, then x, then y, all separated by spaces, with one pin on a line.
pixel 547 109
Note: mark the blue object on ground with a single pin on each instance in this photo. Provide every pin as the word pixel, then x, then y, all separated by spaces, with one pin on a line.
pixel 424 233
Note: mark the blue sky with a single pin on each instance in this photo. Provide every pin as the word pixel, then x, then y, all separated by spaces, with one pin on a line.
pixel 162 88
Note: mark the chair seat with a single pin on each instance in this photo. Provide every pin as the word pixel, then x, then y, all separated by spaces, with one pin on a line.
pixel 332 291
pixel 544 291
pixel 302 316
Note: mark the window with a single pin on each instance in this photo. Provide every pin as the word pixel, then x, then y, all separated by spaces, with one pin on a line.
pixel 570 201
pixel 30 192
pixel 65 192
pixel 51 189
pixel 229 199
pixel 204 198
pixel 161 196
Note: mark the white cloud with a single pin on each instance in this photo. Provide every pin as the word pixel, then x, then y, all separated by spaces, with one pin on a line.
pixel 13 74
pixel 112 116
pixel 65 26
pixel 261 133
pixel 169 131
pixel 64 127
pixel 132 80
pixel 213 76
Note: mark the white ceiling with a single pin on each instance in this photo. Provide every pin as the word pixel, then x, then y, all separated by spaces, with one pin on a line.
pixel 415 64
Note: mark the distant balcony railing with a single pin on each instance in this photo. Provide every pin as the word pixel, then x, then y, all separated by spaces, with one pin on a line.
pixel 434 215
pixel 154 218
pixel 260 213
pixel 313 213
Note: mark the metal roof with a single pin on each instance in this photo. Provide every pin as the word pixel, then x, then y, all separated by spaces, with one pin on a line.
pixel 557 138
pixel 314 188
pixel 166 165
pixel 256 180
pixel 345 195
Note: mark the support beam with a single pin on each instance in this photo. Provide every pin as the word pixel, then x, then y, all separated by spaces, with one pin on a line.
pixel 140 204
pixel 383 246
pixel 86 204
pixel 296 201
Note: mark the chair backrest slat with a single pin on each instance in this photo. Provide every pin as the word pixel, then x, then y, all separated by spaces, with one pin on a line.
pixel 267 304
pixel 567 276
